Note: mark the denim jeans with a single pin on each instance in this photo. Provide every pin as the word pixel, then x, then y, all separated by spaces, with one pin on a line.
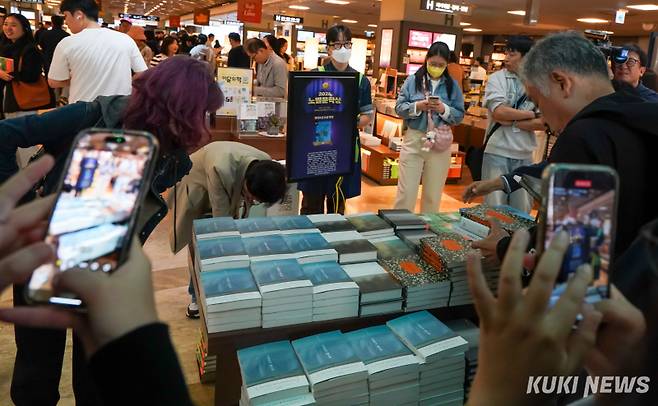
pixel 494 166
pixel 190 290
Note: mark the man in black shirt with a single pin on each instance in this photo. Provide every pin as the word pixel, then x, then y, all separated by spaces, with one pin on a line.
pixel 237 57
pixel 49 40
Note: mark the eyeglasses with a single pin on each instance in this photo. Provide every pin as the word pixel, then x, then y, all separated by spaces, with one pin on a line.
pixel 338 45
pixel 630 62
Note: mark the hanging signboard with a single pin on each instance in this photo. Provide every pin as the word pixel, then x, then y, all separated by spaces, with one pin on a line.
pixel 174 21
pixel 322 117
pixel 201 16
pixel 236 86
pixel 288 19
pixel 445 7
pixel 139 17
pixel 250 11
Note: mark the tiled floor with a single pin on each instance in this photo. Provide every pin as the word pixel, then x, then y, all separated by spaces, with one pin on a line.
pixel 170 283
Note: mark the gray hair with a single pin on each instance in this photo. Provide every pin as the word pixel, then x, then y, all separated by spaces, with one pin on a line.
pixel 568 51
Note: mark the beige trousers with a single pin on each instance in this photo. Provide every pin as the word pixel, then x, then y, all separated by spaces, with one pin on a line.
pixel 414 163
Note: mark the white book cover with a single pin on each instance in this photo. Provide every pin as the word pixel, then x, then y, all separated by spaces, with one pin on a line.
pixel 343 236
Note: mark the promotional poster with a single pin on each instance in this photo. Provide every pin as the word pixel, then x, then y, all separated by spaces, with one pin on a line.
pixel 322 117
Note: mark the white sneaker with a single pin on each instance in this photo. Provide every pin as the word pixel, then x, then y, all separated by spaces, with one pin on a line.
pixel 192 311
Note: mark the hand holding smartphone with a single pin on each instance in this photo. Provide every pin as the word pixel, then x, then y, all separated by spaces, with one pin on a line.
pixel 92 222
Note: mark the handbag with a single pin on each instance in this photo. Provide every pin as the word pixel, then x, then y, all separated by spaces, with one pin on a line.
pixel 437 139
pixel 30 96
pixel 475 155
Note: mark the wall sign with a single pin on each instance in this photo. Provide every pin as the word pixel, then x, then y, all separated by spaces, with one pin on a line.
pixel 288 19
pixel 322 116
pixel 444 7
pixel 140 17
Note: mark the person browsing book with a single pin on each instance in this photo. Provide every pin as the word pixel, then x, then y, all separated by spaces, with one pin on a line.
pixel 335 190
pixel 271 72
pixel 430 102
pixel 226 179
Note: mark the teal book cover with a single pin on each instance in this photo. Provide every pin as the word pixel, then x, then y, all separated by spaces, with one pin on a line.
pixel 323 351
pixel 377 343
pixel 271 272
pixel 420 329
pixel 323 273
pixel 227 282
pixel 255 225
pixel 306 242
pixel 268 362
pixel 265 245
pixel 392 248
pixel 214 225
pixel 220 247
pixel 285 223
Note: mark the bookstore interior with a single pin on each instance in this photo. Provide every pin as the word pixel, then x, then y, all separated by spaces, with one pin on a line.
pixel 365 301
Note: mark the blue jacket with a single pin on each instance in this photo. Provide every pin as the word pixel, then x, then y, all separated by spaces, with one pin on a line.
pixel 409 95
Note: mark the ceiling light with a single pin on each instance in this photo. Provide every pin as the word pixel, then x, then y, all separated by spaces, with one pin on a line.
pixel 463 24
pixel 296 7
pixel 516 12
pixel 372 25
pixel 593 20
pixel 472 29
pixel 350 21
pixel 339 2
pixel 644 7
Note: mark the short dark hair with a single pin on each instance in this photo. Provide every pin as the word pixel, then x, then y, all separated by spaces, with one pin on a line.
pixel 150 35
pixel 253 45
pixel 453 57
pixel 58 21
pixel 88 7
pixel 211 35
pixel 234 36
pixel 520 43
pixel 334 32
pixel 644 59
pixel 202 38
pixel 266 180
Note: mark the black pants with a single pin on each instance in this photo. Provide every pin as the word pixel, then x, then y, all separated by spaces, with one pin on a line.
pixel 38 366
pixel 314 204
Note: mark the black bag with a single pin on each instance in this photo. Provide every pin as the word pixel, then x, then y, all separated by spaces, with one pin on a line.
pixel 475 155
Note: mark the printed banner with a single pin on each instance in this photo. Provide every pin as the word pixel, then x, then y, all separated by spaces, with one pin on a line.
pixel 236 87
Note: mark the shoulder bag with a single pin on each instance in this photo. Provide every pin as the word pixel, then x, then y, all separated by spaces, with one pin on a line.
pixel 31 96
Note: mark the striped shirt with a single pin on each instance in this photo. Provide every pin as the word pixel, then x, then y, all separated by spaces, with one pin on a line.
pixel 157 59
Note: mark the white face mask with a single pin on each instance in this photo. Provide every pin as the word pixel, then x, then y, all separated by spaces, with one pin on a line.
pixel 342 55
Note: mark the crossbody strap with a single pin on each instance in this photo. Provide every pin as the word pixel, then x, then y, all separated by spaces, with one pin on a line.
pixel 496 126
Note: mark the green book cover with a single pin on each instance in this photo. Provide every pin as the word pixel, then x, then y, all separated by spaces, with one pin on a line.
pixel 508 218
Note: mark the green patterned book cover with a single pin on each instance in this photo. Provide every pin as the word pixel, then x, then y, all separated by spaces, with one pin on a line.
pixel 450 250
pixel 442 222
pixel 509 219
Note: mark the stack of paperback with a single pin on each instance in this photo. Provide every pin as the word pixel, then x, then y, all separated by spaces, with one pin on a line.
pixel 267 248
pixel 352 247
pixel 441 222
pixel 402 219
pixel 221 253
pixel 335 295
pixel 471 333
pixel 294 224
pixel 207 363
pixel 331 223
pixel 508 218
pixel 256 226
pixel 287 292
pixel 392 367
pixel 214 227
pixel 272 374
pixel 447 253
pixel 230 300
pixel 442 354
pixel 392 247
pixel 337 376
pixel 412 237
pixel 424 286
pixel 310 247
pixel 380 292
pixel 371 225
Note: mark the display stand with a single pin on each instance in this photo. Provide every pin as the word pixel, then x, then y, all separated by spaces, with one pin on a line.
pixel 228 381
pixel 225 128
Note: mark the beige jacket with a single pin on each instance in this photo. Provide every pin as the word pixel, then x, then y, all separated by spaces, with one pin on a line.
pixel 213 184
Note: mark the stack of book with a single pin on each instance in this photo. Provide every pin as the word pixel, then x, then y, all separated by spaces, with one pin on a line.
pixel 267 248
pixel 412 237
pixel 380 292
pixel 272 374
pixel 310 247
pixel 256 226
pixel 442 354
pixel 214 227
pixel 230 300
pixel 509 219
pixel 448 253
pixel 441 222
pixel 335 295
pixel 424 286
pixel 471 333
pixel 331 223
pixel 287 292
pixel 294 224
pixel 393 369
pixel 402 219
pixel 221 253
pixel 391 247
pixel 207 363
pixel 337 376
pixel 352 247
pixel 371 225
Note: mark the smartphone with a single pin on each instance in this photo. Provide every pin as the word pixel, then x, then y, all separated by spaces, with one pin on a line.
pixel 434 99
pixel 104 181
pixel 581 200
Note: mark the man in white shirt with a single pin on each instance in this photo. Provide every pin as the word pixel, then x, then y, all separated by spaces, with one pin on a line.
pixel 477 71
pixel 94 61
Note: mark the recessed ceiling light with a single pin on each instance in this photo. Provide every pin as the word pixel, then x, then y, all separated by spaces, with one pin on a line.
pixel 472 29
pixel 593 20
pixel 517 12
pixel 350 21
pixel 296 7
pixel 463 24
pixel 339 2
pixel 372 25
pixel 644 7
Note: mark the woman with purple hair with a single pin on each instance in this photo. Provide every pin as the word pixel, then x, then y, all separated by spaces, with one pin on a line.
pixel 170 101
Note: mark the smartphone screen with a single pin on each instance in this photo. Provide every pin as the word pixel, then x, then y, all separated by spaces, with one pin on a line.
pixel 92 219
pixel 582 202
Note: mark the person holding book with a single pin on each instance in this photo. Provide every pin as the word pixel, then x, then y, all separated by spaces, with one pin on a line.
pixel 430 102
pixel 169 48
pixel 335 190
pixel 226 180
